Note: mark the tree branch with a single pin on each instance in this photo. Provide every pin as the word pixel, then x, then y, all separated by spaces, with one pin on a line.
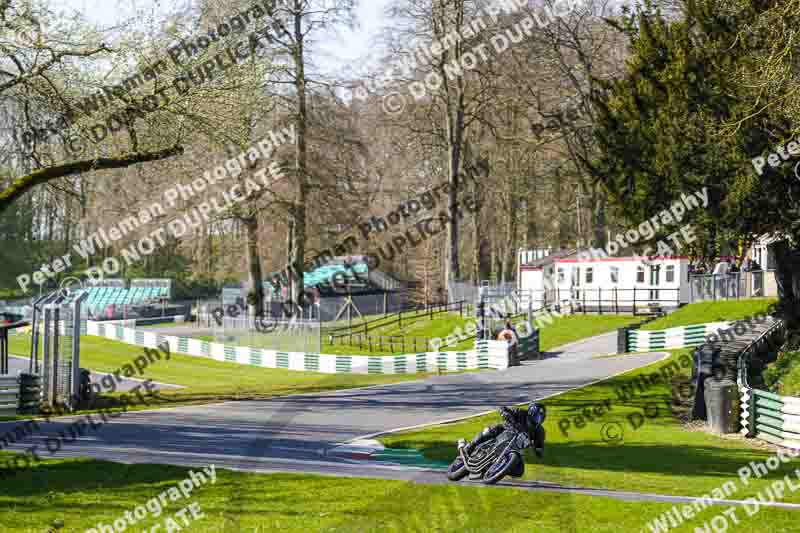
pixel 23 184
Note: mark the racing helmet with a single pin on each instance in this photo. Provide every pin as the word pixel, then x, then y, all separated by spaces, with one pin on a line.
pixel 536 414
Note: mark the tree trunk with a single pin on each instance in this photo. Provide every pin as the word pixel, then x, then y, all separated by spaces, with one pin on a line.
pixel 787 276
pixel 298 211
pixel 599 218
pixel 455 137
pixel 509 253
pixel 485 258
pixel 254 265
pixel 477 236
pixel 290 243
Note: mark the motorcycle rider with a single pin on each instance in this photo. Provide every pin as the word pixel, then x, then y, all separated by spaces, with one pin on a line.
pixel 530 420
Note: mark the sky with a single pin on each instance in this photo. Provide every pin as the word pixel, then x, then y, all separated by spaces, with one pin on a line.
pixel 351 48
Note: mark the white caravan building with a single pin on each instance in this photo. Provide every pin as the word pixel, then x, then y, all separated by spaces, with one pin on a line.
pixel 614 283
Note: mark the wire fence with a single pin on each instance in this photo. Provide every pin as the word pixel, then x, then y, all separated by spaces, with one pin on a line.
pixel 732 286
pixel 382 343
pixel 332 311
pixel 283 335
pixel 471 292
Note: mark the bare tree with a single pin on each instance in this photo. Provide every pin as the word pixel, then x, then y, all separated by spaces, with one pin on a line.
pixel 296 24
pixel 42 61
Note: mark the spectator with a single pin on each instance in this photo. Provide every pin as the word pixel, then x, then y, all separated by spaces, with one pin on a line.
pixel 720 275
pixel 510 327
pixel 509 334
pixel 721 268
pixel 747 264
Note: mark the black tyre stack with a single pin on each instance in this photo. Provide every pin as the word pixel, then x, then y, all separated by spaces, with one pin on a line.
pixel 30 394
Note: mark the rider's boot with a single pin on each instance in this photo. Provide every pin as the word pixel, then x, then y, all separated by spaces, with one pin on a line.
pixel 538 442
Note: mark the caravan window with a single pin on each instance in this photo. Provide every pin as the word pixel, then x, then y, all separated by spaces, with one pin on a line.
pixel 640 274
pixel 589 275
pixel 614 274
pixel 670 273
pixel 560 275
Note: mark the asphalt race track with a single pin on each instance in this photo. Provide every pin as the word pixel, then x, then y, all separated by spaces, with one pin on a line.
pixel 18 364
pixel 296 433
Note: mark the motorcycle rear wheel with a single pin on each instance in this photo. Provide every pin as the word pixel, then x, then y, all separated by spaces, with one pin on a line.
pixel 501 468
pixel 457 470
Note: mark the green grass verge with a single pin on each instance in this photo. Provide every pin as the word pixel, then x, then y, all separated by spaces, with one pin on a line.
pixel 573 328
pixel 783 376
pixel 80 494
pixel 660 456
pixel 414 325
pixel 707 312
pixel 208 380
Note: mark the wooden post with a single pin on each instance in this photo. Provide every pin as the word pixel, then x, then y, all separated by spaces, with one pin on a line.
pixel 600 300
pixel 369 339
pixel 385 302
pixel 616 300
pixel 634 301
pixel 584 301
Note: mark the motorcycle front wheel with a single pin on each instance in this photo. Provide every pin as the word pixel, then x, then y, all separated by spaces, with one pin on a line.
pixel 457 470
pixel 501 468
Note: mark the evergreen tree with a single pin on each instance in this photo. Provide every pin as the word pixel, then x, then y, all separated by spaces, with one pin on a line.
pixel 702 96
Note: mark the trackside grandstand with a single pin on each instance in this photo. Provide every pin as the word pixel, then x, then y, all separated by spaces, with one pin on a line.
pixel 106 297
pixel 338 275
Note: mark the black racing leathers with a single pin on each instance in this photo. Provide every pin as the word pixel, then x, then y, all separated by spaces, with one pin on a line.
pixel 519 417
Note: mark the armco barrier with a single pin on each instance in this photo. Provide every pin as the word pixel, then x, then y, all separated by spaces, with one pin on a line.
pixel 492 354
pixel 489 354
pixel 672 338
pixel 773 418
pixel 767 416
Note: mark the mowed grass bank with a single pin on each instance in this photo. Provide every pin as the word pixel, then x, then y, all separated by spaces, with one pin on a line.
pixel 207 380
pixel 707 312
pixel 80 494
pixel 659 455
pixel 560 331
pixel 572 328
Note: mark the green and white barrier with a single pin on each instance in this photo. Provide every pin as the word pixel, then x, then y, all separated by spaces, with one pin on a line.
pixel 771 417
pixel 672 338
pixel 489 354
pixel 492 354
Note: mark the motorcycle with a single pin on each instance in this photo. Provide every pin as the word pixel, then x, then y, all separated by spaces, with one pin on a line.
pixel 492 460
